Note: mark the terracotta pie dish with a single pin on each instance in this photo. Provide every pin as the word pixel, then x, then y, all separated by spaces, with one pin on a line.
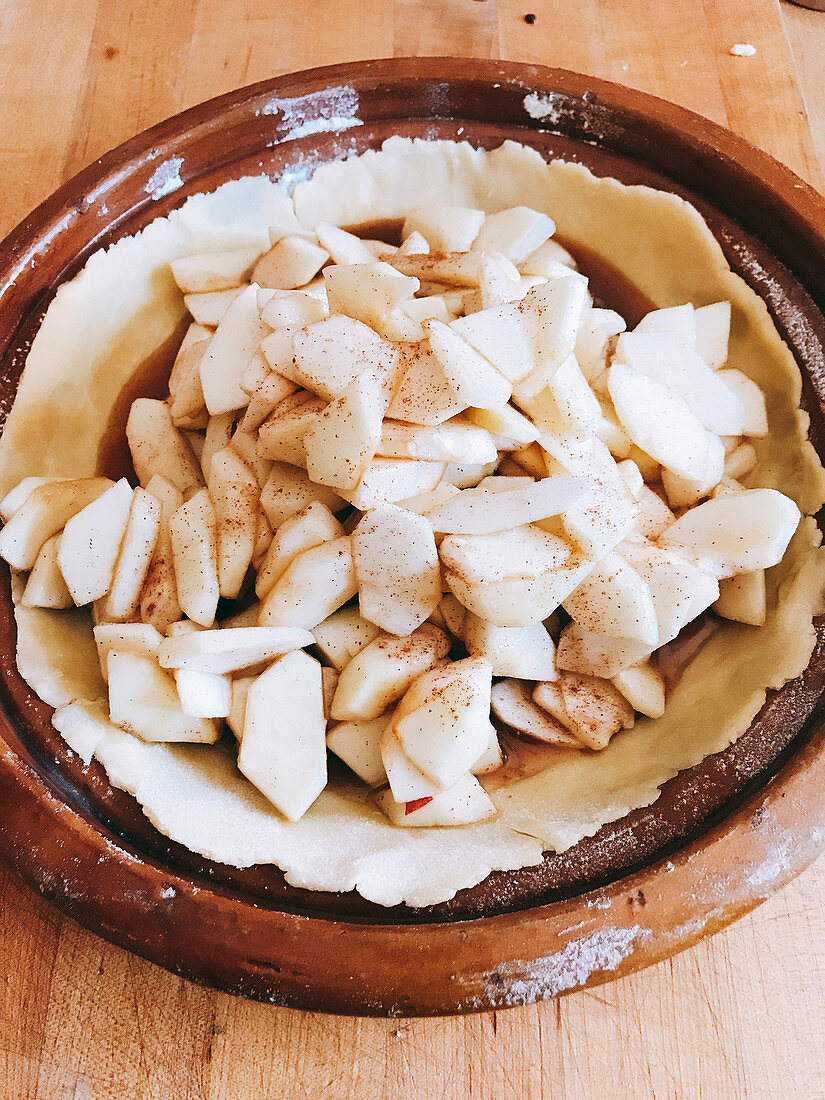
pixel 721 837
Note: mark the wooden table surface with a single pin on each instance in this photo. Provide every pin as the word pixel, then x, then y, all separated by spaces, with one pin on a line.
pixel 741 1015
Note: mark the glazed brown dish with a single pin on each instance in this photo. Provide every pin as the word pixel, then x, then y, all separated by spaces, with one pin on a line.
pixel 721 836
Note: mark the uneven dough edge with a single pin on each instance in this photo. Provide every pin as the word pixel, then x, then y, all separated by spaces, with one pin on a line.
pixel 195 795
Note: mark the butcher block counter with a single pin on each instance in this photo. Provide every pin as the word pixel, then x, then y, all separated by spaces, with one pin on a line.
pixel 741 1014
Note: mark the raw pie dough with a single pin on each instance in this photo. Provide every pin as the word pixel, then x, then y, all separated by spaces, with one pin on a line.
pixel 124 305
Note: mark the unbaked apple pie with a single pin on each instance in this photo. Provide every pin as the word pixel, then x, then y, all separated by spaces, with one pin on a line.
pixel 438 547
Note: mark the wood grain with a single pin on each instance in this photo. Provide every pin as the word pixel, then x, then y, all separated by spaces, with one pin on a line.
pixel 742 1014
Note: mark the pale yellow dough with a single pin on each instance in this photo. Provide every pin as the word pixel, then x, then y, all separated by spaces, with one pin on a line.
pixel 124 304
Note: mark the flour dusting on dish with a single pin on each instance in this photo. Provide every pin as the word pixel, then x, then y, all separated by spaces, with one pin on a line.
pixel 322 112
pixel 165 179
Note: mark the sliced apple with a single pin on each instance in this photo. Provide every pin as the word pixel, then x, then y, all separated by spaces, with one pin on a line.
pixel 712 333
pixel 659 421
pixel 654 516
pixel 597 710
pixel 423 395
pixel 453 613
pixel 315 584
pixel 138 546
pixel 644 688
pixel 329 682
pixel 382 671
pixel 278 350
pixel 453 441
pixel 288 490
pixel 594 339
pixel 344 247
pixel 265 399
pixel 193 533
pixel 499 283
pixel 158 447
pixel 755 421
pixel 482 512
pixel 510 430
pixel 45 586
pixel 143 701
pixel 408 784
pixel 442 720
pixel 422 503
pixel 591 654
pixel 555 309
pixel 332 353
pixel 14 500
pixel 91 541
pixel 396 563
pixel 549 696
pixel 344 634
pixel 342 441
pixel 281 435
pixel 525 653
pixel 672 363
pixel 523 551
pixel 573 406
pixel 234 491
pixel 420 310
pixel 613 599
pixel 187 405
pixel 631 476
pixel 237 709
pixel 513 705
pixel 445 228
pixel 414 244
pixel 491 759
pixel 674 321
pixel 159 603
pixel 387 480
pixel 292 308
pixel 210 271
pixel 467 475
pixel 684 492
pixel 741 462
pixel 466 803
pixel 283 746
pixel 237 338
pixel 520 601
pixel 209 308
pixel 218 435
pixel 367 292
pixel 736 533
pixel 140 639
pixel 454 269
pixel 228 650
pixel 741 598
pixel 727 485
pixel 516 232
pixel 203 695
pixel 244 446
pixel 546 259
pixel 473 379
pixel 358 744
pixel 309 527
pixel 292 261
pixel 531 459
pixel 610 431
pixel 677 586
